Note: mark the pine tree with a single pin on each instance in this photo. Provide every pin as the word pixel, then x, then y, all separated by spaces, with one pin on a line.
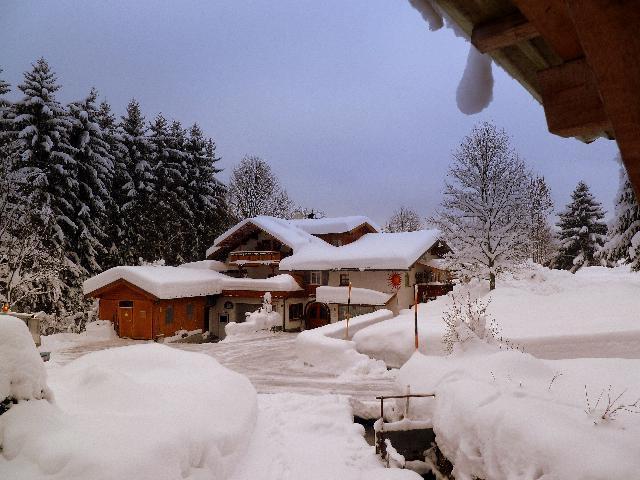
pixel 46 171
pixel 582 230
pixel 170 195
pixel 137 211
pixel 206 194
pixel 6 122
pixel 624 226
pixel 120 181
pixel 94 173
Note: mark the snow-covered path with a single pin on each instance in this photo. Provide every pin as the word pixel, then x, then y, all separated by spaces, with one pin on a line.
pixel 310 437
pixel 269 361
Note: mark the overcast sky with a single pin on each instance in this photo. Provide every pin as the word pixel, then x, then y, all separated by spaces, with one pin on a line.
pixel 351 102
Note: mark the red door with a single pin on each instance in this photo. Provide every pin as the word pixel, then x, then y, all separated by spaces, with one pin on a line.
pixel 125 321
pixel 317 315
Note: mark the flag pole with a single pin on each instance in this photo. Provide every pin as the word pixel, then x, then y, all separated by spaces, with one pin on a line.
pixel 348 311
pixel 415 315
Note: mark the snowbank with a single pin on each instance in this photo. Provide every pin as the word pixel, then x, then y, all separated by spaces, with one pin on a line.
pixel 327 349
pixel 256 321
pixel 144 411
pixel 95 332
pixel 22 371
pixel 550 313
pixel 505 414
pixel 359 296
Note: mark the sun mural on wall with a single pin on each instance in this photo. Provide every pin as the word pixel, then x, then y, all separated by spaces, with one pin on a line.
pixel 394 280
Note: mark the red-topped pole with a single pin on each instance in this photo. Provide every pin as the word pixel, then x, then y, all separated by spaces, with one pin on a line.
pixel 415 314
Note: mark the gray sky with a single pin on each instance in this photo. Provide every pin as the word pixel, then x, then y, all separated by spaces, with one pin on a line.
pixel 351 102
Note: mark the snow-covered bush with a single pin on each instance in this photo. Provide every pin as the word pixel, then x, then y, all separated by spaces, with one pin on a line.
pixel 466 320
pixel 262 319
pixel 22 372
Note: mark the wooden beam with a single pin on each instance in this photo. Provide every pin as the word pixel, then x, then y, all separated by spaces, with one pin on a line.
pixel 571 100
pixel 551 18
pixel 609 33
pixel 502 32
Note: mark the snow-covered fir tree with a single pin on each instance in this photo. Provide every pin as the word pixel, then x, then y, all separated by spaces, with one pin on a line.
pixel 581 230
pixel 6 122
pixel 404 220
pixel 170 197
pixel 46 171
pixel 118 188
pixel 483 214
pixel 94 172
pixel 255 190
pixel 540 208
pixel 136 212
pixel 207 195
pixel 622 243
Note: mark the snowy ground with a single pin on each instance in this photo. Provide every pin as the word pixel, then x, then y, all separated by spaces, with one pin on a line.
pixel 552 314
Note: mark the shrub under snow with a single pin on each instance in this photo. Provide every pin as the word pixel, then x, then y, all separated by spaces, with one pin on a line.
pixel 143 411
pixel 22 372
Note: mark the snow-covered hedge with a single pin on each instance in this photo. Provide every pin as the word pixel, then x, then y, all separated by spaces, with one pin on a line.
pixel 22 371
pixel 142 411
pixel 504 414
pixel 326 347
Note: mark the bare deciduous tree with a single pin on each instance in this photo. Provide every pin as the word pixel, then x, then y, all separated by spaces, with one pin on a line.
pixel 255 190
pixel 483 214
pixel 404 220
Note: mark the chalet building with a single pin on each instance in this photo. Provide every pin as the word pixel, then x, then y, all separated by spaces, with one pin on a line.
pixel 306 264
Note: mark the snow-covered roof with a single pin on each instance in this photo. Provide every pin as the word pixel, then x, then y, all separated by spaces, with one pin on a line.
pixel 372 251
pixel 214 265
pixel 439 263
pixel 182 282
pixel 359 296
pixel 281 229
pixel 322 226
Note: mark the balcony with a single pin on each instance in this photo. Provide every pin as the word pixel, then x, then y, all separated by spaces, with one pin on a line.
pixel 254 258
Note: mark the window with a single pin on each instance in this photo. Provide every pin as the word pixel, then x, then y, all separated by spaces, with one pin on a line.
pixel 344 279
pixel 189 311
pixel 315 278
pixel 126 304
pixel 295 311
pixel 168 315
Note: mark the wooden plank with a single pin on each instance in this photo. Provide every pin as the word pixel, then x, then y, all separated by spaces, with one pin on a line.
pixel 571 100
pixel 609 33
pixel 551 18
pixel 503 32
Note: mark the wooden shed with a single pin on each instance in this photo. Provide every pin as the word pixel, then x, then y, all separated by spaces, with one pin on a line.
pixel 141 315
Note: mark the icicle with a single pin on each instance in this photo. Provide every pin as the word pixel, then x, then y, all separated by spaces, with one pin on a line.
pixel 429 13
pixel 475 90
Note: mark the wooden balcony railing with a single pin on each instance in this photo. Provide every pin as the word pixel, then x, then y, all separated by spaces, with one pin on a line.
pixel 255 257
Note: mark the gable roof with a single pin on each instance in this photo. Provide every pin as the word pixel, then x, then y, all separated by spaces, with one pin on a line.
pixel 373 251
pixel 323 226
pixel 296 234
pixel 185 281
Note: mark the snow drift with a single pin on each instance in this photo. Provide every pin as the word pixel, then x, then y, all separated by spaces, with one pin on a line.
pixel 327 347
pixel 144 411
pixel 505 415
pixel 22 372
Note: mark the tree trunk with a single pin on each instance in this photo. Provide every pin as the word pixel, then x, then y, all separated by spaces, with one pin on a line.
pixel 492 281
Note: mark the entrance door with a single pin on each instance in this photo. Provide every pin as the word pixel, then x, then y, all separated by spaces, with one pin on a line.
pixel 316 315
pixel 125 319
